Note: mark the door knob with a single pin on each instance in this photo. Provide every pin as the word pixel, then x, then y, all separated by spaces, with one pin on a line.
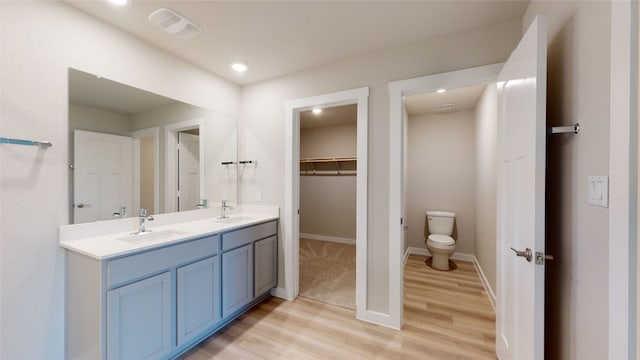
pixel 525 254
pixel 83 205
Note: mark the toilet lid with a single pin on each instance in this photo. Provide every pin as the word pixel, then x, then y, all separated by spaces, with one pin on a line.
pixel 442 239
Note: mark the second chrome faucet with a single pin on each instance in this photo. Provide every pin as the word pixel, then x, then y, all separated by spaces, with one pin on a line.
pixel 223 207
pixel 143 221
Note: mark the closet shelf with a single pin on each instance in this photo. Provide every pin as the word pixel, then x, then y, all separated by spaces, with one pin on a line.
pixel 329 166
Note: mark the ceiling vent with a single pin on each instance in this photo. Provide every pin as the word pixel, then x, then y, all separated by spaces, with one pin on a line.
pixel 174 23
pixel 445 107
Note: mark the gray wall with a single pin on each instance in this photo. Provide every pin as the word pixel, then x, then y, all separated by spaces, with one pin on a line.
pixel 577 233
pixel 441 174
pixel 486 119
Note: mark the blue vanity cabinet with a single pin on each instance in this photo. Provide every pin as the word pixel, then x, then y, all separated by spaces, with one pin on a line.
pixel 237 279
pixel 245 255
pixel 159 302
pixel 198 298
pixel 266 264
pixel 139 319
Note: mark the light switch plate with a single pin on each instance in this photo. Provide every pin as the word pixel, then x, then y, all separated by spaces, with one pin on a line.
pixel 599 190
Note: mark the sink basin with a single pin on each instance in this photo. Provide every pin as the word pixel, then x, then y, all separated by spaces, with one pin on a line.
pixel 232 219
pixel 151 235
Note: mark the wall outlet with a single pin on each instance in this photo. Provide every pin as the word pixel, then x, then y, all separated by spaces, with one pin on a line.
pixel 258 196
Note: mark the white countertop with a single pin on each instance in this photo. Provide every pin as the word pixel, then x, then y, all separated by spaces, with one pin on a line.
pixel 107 239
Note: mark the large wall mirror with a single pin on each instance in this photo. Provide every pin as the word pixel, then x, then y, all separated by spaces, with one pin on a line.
pixel 131 149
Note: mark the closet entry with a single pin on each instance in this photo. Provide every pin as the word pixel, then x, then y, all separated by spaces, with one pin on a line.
pixel 328 163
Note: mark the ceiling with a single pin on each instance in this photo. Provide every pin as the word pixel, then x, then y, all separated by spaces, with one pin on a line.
pixel 424 104
pixel 332 116
pixel 276 38
pixel 92 91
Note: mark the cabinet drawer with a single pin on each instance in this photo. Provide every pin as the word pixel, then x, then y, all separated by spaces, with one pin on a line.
pixel 244 236
pixel 133 267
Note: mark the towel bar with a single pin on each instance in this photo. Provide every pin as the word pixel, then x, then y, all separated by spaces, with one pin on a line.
pixel 44 144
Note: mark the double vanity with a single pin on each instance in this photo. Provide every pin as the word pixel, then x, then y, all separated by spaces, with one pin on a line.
pixel 154 295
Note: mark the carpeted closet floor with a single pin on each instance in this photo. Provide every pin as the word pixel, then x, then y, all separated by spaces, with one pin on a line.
pixel 328 272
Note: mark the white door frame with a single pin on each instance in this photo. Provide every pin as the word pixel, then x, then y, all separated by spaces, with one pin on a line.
pixel 623 169
pixel 171 166
pixel 291 219
pixel 397 91
pixel 136 135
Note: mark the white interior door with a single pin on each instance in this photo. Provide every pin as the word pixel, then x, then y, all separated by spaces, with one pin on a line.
pixel 103 175
pixel 521 203
pixel 188 171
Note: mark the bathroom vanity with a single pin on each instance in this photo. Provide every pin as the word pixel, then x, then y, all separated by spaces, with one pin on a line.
pixel 155 295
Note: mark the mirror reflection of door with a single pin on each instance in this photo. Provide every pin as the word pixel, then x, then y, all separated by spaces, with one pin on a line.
pixel 188 170
pixel 103 175
pixel 145 168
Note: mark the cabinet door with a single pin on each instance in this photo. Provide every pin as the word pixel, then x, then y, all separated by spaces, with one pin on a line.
pixel 198 298
pixel 139 319
pixel 266 266
pixel 237 279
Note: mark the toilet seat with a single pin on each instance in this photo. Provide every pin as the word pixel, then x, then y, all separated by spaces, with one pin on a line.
pixel 441 240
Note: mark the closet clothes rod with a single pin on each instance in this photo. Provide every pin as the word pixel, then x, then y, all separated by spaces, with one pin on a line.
pixel 329 166
pixel 43 144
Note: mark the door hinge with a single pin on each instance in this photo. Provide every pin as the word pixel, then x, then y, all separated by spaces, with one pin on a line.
pixel 541 257
pixel 401 221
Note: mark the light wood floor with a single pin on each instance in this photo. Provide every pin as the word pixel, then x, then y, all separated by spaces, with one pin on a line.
pixel 447 316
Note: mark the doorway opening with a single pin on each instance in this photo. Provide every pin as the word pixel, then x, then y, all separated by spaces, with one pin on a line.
pixel 184 165
pixel 291 218
pixel 328 169
pixel 146 170
pixel 398 167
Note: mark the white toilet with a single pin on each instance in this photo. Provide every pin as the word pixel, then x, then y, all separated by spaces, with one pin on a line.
pixel 439 242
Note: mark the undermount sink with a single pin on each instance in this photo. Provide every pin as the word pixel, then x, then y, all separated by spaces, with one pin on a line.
pixel 150 235
pixel 232 219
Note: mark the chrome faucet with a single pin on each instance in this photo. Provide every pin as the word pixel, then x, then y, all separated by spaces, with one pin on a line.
pixel 122 212
pixel 225 205
pixel 143 221
pixel 203 204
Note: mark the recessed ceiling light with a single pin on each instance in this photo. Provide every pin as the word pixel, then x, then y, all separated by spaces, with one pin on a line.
pixel 440 91
pixel 239 67
pixel 119 2
pixel 317 111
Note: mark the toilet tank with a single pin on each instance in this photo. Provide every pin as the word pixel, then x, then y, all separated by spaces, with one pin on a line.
pixel 441 222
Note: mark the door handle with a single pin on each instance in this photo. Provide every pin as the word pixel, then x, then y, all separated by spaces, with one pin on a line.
pixel 83 205
pixel 525 254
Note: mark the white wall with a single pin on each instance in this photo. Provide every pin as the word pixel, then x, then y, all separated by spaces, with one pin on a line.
pixel 40 41
pixel 262 128
pixel 486 126
pixel 577 233
pixel 328 203
pixel 441 174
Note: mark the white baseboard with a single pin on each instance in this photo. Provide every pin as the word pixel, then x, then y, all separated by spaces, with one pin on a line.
pixel 462 257
pixel 328 238
pixel 426 252
pixel 377 318
pixel 487 287
pixel 281 293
